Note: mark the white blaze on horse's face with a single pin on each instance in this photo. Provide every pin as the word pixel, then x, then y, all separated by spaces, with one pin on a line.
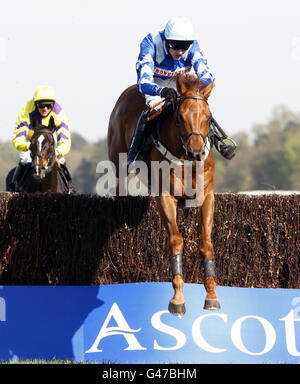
pixel 37 165
pixel 40 141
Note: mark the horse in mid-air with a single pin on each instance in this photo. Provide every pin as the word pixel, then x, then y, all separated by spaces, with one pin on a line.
pixel 184 141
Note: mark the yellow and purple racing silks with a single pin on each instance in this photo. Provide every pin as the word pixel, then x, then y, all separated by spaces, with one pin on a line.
pixel 23 131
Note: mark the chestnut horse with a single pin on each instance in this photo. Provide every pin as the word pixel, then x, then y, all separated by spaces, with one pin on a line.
pixel 185 135
pixel 44 174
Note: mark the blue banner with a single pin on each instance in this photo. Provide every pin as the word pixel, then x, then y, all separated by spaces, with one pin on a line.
pixel 130 323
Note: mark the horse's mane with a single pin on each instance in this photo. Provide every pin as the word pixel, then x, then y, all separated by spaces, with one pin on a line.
pixel 190 82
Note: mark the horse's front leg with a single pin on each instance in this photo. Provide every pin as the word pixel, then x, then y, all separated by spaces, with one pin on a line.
pixel 168 210
pixel 207 251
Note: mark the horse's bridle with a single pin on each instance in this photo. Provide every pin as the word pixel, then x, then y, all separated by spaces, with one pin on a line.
pixel 184 138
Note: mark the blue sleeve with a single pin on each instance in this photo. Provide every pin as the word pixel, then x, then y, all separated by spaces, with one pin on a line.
pixel 145 68
pixel 199 64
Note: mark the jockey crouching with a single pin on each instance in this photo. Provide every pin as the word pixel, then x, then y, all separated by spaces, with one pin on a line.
pixel 42 107
pixel 162 57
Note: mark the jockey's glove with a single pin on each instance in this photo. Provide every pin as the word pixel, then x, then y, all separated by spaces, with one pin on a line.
pixel 168 93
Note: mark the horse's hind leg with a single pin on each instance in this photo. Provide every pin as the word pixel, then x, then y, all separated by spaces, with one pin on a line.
pixel 206 250
pixel 168 209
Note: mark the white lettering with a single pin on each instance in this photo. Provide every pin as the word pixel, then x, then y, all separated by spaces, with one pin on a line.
pixel 197 335
pixel 198 191
pixel 239 332
pixel 193 374
pixel 237 338
pixel 106 185
pixel 160 177
pixel 122 185
pixel 138 184
pixel 289 321
pixel 122 329
pixel 160 326
pixel 115 374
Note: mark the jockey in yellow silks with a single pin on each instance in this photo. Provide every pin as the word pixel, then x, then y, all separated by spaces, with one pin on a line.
pixel 42 107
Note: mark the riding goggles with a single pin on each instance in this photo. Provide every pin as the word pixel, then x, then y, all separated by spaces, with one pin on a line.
pixel 179 44
pixel 45 105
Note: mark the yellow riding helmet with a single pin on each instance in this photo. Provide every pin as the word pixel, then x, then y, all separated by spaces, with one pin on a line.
pixel 44 92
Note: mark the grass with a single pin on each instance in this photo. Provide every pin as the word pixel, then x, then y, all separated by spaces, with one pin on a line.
pixel 53 361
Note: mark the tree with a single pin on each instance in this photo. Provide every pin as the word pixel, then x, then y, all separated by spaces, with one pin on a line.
pixel 85 177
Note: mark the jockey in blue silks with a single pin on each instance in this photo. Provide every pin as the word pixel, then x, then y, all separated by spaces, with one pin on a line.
pixel 162 57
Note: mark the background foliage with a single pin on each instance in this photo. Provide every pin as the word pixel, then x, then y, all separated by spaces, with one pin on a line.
pixel 267 158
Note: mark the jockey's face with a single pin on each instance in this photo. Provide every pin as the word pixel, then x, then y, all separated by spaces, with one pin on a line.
pixel 44 109
pixel 176 53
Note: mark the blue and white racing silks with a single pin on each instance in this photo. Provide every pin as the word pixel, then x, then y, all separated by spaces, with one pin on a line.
pixel 155 63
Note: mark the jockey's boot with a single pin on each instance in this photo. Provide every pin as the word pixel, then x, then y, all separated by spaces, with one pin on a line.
pixel 137 140
pixel 68 178
pixel 19 176
pixel 226 150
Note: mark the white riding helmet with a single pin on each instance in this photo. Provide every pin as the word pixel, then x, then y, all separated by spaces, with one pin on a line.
pixel 179 28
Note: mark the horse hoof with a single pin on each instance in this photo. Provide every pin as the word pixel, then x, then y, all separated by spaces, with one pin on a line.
pixel 212 304
pixel 177 310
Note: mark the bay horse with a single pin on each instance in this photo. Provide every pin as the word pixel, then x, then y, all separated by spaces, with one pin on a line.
pixel 186 135
pixel 44 174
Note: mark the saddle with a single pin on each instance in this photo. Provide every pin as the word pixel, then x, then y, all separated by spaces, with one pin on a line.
pixel 152 129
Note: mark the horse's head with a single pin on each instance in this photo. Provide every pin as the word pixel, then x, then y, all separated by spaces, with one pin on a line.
pixel 42 148
pixel 193 115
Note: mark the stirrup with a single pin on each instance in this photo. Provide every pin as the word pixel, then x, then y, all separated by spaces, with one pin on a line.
pixel 225 150
pixel 221 141
pixel 221 135
pixel 234 144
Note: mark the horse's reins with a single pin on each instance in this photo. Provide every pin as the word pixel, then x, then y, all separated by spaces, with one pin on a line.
pixel 152 113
